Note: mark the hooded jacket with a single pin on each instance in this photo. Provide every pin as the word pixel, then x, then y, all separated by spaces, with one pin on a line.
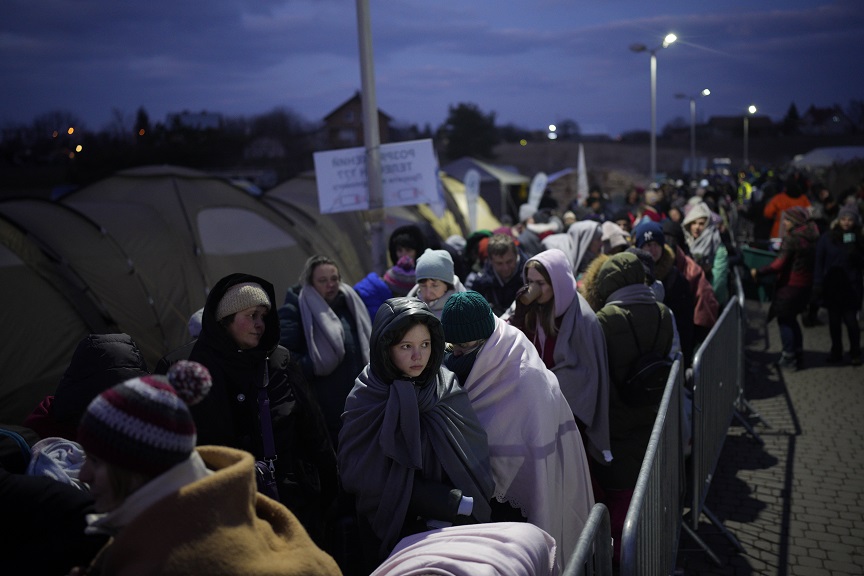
pixel 228 415
pixel 405 445
pixel 99 362
pixel 620 284
pixel 579 355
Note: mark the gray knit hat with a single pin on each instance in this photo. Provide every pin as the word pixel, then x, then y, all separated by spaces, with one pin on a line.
pixel 240 297
pixel 467 317
pixel 435 265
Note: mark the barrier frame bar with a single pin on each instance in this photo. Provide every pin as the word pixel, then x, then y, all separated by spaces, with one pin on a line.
pixel 593 552
pixel 652 527
pixel 716 390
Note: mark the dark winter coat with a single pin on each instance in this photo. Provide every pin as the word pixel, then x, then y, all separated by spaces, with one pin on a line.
pixel 838 270
pixel 500 295
pixel 621 285
pixel 679 299
pixel 330 390
pixel 228 415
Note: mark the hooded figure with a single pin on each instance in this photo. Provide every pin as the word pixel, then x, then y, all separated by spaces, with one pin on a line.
pixel 538 460
pixel 99 362
pixel 570 341
pixel 229 415
pixel 411 449
pixel 707 248
pixel 632 322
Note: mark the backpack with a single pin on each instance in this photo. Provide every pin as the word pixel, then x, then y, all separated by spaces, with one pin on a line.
pixel 646 379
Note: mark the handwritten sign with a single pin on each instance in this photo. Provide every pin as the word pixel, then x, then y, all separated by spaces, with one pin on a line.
pixel 409 176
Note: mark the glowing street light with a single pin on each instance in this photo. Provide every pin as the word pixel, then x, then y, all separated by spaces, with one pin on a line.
pixel 750 111
pixel 667 41
pixel 703 93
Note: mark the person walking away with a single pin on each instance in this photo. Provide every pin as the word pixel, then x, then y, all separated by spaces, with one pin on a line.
pixel 793 268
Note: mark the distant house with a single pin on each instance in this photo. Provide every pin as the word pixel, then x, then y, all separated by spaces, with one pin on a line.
pixel 733 126
pixel 344 125
pixel 195 120
pixel 825 121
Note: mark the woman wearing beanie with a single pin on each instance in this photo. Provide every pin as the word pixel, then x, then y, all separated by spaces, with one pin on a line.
pixel 411 449
pixel 794 275
pixel 239 345
pixel 397 281
pixel 837 281
pixel 326 326
pixel 565 332
pixel 537 457
pixel 436 280
pixel 155 492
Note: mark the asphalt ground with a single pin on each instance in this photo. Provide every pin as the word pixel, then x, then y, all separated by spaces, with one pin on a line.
pixel 792 491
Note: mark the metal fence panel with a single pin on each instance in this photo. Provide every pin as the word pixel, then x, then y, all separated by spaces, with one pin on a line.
pixel 649 542
pixel 593 553
pixel 716 386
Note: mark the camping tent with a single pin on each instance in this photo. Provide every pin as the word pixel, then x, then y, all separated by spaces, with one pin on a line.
pixel 828 156
pixel 503 188
pixel 135 253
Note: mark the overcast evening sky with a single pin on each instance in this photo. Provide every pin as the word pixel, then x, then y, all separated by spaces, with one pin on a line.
pixel 531 62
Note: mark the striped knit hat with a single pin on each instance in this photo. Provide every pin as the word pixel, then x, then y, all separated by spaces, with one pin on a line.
pixel 144 425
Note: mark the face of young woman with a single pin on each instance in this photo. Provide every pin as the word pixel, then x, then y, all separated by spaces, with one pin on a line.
pixel 846 223
pixel 534 277
pixel 248 327
pixel 405 251
pixel 96 473
pixel 698 226
pixel 411 354
pixel 431 289
pixel 325 280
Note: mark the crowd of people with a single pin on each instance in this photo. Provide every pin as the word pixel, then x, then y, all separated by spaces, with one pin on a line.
pixel 478 393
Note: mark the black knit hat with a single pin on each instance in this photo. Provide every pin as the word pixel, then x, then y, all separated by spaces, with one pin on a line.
pixel 467 317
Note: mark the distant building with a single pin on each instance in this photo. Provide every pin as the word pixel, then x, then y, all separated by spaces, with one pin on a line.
pixel 733 126
pixel 830 121
pixel 344 125
pixel 195 120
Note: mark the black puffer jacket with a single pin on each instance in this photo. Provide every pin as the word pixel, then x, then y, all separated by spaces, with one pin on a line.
pixel 228 416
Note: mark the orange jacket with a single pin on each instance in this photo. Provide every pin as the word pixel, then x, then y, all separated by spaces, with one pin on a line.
pixel 779 204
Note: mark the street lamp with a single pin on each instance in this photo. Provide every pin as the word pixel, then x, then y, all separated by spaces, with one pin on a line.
pixel 703 93
pixel 669 39
pixel 751 110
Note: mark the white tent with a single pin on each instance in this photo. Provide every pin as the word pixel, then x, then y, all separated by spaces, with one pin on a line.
pixel 825 157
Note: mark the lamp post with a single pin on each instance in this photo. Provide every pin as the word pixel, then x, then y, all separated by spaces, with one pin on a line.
pixel 703 93
pixel 750 111
pixel 669 39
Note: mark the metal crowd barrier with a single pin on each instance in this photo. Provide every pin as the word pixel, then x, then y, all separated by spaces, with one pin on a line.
pixel 649 542
pixel 593 553
pixel 743 409
pixel 717 370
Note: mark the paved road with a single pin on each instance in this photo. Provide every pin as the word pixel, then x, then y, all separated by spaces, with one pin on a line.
pixel 796 502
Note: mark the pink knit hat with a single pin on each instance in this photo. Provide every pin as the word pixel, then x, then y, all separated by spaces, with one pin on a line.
pixel 401 278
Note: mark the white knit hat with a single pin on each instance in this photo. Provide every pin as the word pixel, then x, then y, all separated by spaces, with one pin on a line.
pixel 240 297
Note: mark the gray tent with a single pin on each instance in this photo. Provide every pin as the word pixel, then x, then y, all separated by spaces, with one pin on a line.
pixel 135 253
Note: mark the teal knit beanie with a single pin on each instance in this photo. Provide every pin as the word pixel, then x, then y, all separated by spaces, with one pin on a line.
pixel 466 317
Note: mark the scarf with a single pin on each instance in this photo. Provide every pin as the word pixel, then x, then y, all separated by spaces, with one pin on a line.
pixel 169 482
pixel 325 337
pixel 393 431
pixel 538 460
